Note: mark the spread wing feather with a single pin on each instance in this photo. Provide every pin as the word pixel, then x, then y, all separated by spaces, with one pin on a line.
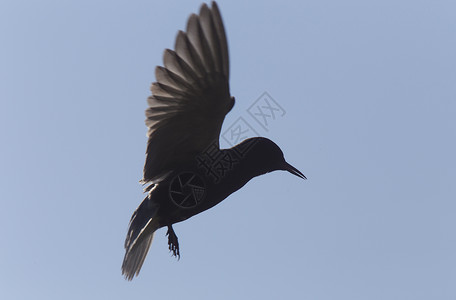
pixel 190 97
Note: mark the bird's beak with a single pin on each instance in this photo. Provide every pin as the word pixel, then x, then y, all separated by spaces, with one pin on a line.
pixel 293 170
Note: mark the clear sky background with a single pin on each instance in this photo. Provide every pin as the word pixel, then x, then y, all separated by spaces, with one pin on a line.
pixel 369 91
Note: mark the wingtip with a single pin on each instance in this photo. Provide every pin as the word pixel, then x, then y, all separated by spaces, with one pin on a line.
pixel 203 7
pixel 214 5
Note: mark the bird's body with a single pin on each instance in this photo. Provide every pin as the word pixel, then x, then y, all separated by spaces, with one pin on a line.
pixel 187 171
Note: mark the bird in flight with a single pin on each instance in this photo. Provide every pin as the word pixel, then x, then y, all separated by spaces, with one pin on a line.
pixel 185 168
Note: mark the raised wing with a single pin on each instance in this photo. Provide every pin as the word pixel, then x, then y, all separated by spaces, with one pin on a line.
pixel 190 97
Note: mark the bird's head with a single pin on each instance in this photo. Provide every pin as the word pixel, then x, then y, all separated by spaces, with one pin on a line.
pixel 266 156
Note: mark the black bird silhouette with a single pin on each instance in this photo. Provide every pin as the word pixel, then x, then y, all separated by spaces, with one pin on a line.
pixel 187 171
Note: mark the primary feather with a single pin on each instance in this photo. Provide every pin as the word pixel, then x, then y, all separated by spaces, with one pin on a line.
pixel 190 97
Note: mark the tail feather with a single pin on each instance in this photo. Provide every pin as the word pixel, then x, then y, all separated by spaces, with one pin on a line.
pixel 141 231
pixel 134 258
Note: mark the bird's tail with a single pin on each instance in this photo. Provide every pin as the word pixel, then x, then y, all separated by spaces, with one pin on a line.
pixel 139 237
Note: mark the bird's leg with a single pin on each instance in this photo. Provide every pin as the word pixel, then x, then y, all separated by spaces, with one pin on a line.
pixel 172 242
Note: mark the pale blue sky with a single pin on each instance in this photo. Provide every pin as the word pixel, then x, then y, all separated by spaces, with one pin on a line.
pixel 369 92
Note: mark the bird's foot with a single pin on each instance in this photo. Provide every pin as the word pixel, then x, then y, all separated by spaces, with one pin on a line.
pixel 173 242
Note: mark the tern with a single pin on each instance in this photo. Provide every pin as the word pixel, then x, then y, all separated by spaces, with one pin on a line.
pixel 185 168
